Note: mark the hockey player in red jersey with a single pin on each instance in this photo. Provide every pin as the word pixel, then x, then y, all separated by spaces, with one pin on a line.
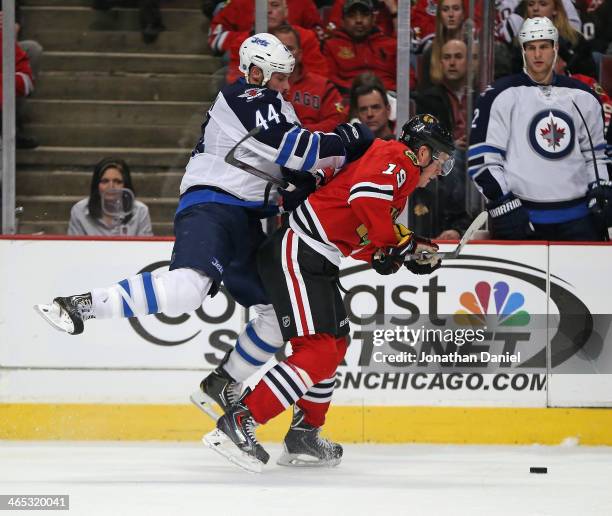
pixel 353 215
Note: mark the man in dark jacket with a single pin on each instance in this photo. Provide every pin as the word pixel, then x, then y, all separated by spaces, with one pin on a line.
pixel 447 102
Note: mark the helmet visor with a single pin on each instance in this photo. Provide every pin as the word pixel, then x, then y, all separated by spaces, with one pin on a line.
pixel 447 162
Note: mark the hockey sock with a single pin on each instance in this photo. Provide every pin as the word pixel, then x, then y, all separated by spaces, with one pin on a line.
pixel 259 341
pixel 280 388
pixel 315 403
pixel 314 358
pixel 173 292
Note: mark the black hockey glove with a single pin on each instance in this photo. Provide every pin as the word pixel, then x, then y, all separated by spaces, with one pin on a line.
pixel 389 260
pixel 356 138
pixel 305 184
pixel 422 268
pixel 599 198
pixel 509 219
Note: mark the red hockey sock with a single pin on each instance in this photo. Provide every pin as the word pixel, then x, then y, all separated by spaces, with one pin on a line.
pixel 314 358
pixel 263 403
pixel 315 403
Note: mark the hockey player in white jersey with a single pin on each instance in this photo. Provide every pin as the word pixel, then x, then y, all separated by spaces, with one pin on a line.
pixel 537 149
pixel 217 223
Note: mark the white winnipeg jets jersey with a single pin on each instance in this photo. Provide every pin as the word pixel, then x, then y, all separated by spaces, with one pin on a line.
pixel 530 140
pixel 238 108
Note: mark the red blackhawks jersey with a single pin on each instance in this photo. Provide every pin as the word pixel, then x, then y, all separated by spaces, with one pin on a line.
pixel 317 102
pixel 354 213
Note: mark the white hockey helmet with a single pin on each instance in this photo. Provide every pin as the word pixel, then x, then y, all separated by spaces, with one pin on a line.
pixel 535 29
pixel 267 52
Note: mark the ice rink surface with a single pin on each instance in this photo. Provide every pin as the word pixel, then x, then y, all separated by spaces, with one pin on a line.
pixel 175 478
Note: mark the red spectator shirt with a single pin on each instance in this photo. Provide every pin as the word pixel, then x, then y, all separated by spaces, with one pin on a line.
pixel 348 58
pixel 312 58
pixel 604 98
pixel 239 15
pixel 354 213
pixel 24 83
pixel 382 17
pixel 317 102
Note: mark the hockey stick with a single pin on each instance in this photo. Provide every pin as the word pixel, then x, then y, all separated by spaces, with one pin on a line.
pixel 606 231
pixel 232 160
pixel 478 222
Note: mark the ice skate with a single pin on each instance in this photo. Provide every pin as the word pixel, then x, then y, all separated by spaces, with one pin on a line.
pixel 218 387
pixel 68 313
pixel 303 447
pixel 234 438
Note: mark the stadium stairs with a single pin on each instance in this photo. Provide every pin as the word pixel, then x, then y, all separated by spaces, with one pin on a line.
pixel 103 92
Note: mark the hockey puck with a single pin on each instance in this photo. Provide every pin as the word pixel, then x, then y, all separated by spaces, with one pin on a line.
pixel 535 469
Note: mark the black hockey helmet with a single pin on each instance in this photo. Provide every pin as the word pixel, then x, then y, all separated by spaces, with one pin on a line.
pixel 427 130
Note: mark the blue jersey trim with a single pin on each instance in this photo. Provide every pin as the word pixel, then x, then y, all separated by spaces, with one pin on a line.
pixel 127 311
pixel 285 152
pixel 311 157
pixel 476 150
pixel 202 196
pixel 147 282
pixel 246 356
pixel 264 346
pixel 558 215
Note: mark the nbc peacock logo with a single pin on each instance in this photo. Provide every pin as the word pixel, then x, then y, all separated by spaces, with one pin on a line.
pixel 490 301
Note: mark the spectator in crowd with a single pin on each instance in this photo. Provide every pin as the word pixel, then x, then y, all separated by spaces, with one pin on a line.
pixel 235 22
pixel 449 25
pixel 24 85
pixel 239 16
pixel 33 50
pixel 317 102
pixel 564 56
pixel 596 18
pixel 555 10
pixel 358 46
pixel 447 101
pixel 150 17
pixel 385 15
pixel 110 209
pixel 369 103
pixel 529 149
pixel 510 14
pixel 423 22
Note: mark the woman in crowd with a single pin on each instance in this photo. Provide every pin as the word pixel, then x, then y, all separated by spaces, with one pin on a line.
pixel 449 25
pixel 581 53
pixel 110 209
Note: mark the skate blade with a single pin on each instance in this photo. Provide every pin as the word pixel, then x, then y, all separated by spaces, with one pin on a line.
pixel 56 317
pixel 204 403
pixel 301 460
pixel 219 442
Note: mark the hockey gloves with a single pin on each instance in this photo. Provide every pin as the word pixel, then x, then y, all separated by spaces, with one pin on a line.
pixel 509 219
pixel 356 138
pixel 305 184
pixel 599 198
pixel 389 260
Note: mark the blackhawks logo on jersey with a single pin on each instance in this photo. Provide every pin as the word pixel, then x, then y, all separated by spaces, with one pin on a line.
pixel 346 53
pixel 552 134
pixel 412 156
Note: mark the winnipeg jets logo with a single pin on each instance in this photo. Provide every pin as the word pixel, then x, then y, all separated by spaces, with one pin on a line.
pixel 552 134
pixel 252 93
